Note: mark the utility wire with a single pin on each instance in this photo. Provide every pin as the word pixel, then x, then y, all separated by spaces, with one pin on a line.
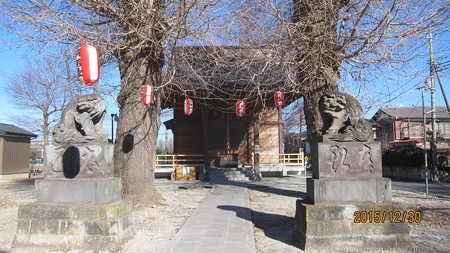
pixel 7 75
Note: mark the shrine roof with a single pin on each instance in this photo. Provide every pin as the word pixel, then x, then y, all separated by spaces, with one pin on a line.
pixel 225 66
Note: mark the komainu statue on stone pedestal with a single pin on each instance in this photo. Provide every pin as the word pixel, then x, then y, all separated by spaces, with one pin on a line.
pixel 79 195
pixel 347 178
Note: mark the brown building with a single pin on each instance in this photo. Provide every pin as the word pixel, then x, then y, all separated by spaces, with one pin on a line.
pixel 402 126
pixel 14 149
pixel 215 78
pixel 226 140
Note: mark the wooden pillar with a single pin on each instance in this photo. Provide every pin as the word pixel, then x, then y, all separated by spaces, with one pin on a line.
pixel 227 135
pixel 256 149
pixel 175 137
pixel 205 121
pixel 249 144
pixel 280 131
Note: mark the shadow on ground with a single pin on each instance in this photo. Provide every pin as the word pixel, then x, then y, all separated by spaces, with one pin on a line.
pixel 282 192
pixel 20 182
pixel 275 226
pixel 249 185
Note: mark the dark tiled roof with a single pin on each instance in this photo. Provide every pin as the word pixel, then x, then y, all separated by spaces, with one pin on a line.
pixel 6 129
pixel 216 76
pixel 227 66
pixel 413 112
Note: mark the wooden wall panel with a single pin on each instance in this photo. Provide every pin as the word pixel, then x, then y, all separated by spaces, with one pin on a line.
pixel 269 143
pixel 16 155
pixel 189 139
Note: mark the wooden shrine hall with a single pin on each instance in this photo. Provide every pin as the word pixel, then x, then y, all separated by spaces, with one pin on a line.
pixel 213 134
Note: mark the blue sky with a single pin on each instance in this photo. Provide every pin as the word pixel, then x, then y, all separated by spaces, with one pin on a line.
pixel 10 62
pixel 13 60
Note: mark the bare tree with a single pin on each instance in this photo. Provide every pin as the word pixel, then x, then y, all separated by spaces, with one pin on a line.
pixel 365 47
pixel 41 90
pixel 132 34
pixel 256 48
pixel 305 48
pixel 294 118
pixel 360 39
pixel 385 139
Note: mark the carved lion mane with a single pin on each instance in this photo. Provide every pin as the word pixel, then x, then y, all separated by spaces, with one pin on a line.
pixel 343 118
pixel 81 121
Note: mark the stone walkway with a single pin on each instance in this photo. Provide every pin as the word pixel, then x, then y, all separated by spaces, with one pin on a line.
pixel 221 223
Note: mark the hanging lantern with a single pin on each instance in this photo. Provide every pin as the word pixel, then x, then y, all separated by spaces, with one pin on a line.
pixel 188 106
pixel 279 98
pixel 147 94
pixel 240 108
pixel 88 64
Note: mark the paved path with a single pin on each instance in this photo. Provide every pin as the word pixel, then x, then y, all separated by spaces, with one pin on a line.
pixel 221 223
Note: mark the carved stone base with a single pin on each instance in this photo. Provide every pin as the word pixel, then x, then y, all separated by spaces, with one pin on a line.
pixel 333 227
pixel 79 161
pixel 346 159
pixel 83 227
pixel 78 191
pixel 341 190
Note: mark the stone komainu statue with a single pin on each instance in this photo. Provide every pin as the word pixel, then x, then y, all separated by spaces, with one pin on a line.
pixel 81 121
pixel 343 118
pixel 80 146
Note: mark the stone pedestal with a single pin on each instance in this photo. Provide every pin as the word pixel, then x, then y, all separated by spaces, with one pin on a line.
pixel 79 203
pixel 346 160
pixel 79 161
pixel 347 179
pixel 83 227
pixel 348 190
pixel 78 191
pixel 334 227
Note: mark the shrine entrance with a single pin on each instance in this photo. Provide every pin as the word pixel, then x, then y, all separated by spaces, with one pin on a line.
pixel 213 82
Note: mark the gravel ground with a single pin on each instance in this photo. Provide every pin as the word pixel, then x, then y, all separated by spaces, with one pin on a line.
pixel 154 227
pixel 273 210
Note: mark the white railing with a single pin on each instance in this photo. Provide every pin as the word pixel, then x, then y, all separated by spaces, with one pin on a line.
pixel 172 161
pixel 288 159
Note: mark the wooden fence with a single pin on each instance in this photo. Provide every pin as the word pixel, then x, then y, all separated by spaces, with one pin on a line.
pixel 289 159
pixel 172 161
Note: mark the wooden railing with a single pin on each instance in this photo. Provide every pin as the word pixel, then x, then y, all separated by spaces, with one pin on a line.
pixel 289 159
pixel 172 161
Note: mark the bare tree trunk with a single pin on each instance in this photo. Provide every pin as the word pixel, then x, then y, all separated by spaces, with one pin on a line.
pixel 318 56
pixel 45 133
pixel 139 62
pixel 137 129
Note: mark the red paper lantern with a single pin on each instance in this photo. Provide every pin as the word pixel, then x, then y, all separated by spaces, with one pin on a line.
pixel 147 94
pixel 88 64
pixel 279 98
pixel 188 106
pixel 240 108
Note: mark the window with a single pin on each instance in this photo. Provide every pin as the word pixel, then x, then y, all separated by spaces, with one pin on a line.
pixel 415 129
pixel 444 128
